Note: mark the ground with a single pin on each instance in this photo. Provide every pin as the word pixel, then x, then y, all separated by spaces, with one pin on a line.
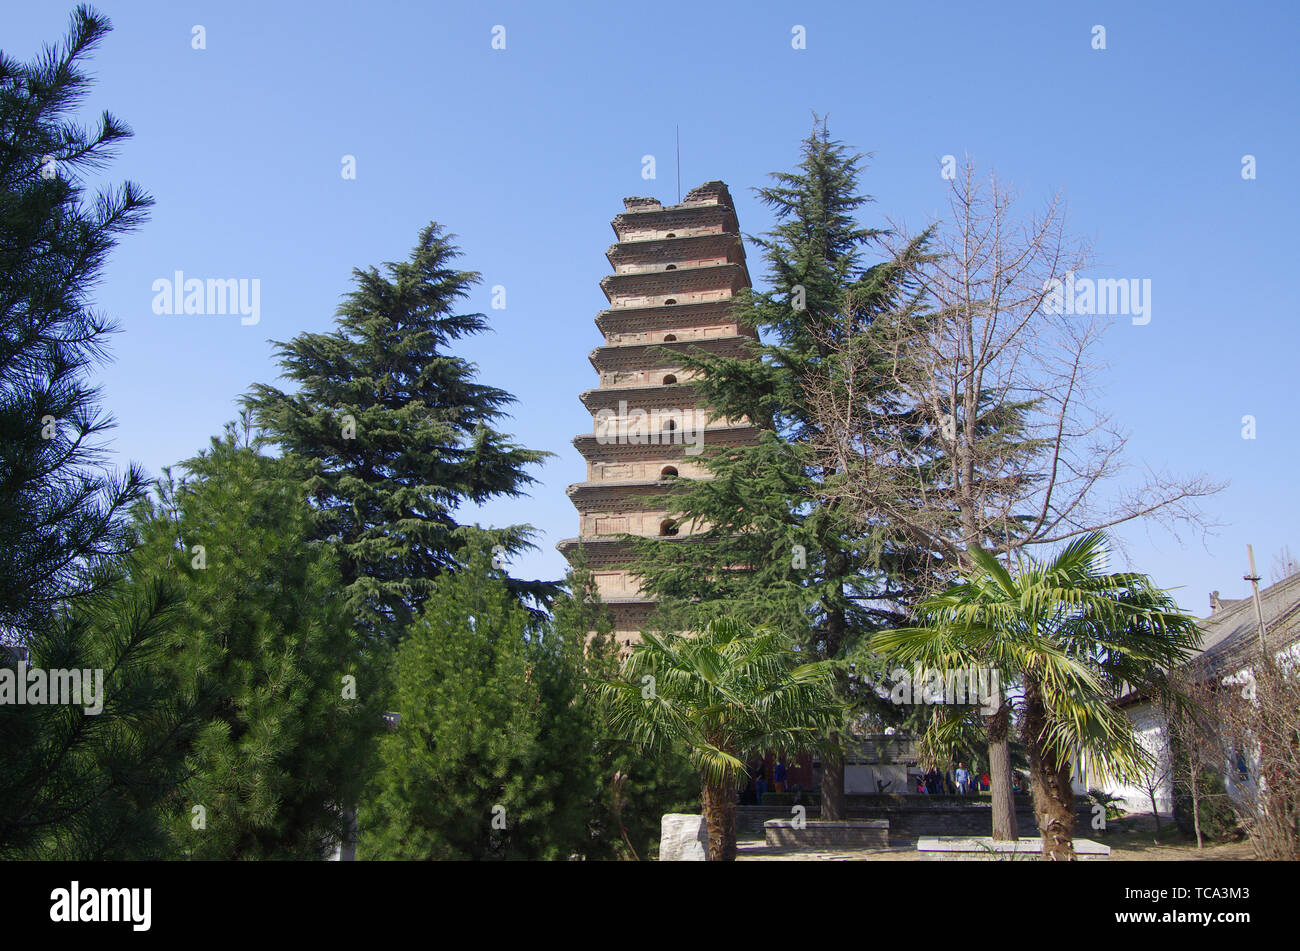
pixel 1131 838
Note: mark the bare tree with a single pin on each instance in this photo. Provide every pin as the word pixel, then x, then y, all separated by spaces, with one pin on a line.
pixel 1196 744
pixel 1263 727
pixel 1158 776
pixel 1285 564
pixel 965 416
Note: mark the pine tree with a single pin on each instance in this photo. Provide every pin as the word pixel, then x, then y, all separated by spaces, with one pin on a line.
pixel 74 784
pixel 401 434
pixel 632 789
pixel 770 553
pixel 481 762
pixel 263 648
pixel 84 784
pixel 59 507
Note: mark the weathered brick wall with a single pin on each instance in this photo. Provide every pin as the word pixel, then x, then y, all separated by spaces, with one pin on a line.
pixel 828 835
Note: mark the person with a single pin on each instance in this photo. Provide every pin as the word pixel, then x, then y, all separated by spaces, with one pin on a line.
pixel 778 775
pixel 985 785
pixel 760 784
pixel 963 779
pixel 932 781
pixel 752 771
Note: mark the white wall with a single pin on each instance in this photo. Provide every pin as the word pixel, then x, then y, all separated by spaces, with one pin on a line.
pixel 1149 725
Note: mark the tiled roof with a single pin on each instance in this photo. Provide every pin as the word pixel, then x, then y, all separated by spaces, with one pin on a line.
pixel 1231 634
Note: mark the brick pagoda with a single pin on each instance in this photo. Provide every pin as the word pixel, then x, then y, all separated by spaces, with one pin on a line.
pixel 676 270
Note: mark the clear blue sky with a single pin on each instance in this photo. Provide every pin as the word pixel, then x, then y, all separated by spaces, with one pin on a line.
pixel 526 154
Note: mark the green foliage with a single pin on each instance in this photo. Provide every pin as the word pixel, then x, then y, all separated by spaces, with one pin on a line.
pixel 262 645
pixel 87 786
pixel 1114 805
pixel 1218 817
pixel 59 509
pixel 633 788
pixel 770 552
pixel 721 694
pixel 401 434
pixel 73 785
pixel 493 757
pixel 1072 635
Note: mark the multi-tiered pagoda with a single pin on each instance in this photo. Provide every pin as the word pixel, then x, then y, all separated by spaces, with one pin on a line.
pixel 676 270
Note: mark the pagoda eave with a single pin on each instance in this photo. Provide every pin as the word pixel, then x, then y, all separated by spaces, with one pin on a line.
pixel 642 397
pixel 668 316
pixel 679 281
pixel 717 218
pixel 672 249
pixel 637 354
pixel 593 450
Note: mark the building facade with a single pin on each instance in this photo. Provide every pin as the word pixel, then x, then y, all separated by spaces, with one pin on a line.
pixel 1230 641
pixel 677 269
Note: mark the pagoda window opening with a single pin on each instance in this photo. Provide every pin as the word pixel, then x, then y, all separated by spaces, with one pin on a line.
pixel 667 528
pixel 668 381
pixel 669 338
pixel 671 267
pixel 671 300
pixel 669 472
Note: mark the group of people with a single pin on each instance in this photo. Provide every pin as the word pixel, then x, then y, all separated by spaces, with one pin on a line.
pixel 959 782
pixel 756 786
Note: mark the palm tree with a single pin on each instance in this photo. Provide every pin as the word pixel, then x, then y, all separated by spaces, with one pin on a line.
pixel 721 695
pixel 1070 639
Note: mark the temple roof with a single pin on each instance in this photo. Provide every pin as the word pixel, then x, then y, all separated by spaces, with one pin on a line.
pixel 1230 636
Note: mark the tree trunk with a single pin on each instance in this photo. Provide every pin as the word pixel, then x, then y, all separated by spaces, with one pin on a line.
pixel 833 805
pixel 1196 808
pixel 1004 800
pixel 720 817
pixel 1053 793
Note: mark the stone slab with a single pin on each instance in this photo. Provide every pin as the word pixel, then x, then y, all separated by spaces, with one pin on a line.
pixel 683 838
pixel 985 849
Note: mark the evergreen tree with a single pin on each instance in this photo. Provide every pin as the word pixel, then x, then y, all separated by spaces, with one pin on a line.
pixel 87 784
pixel 263 647
pixel 490 758
pixel 770 553
pixel 632 788
pixel 59 507
pixel 74 784
pixel 401 433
